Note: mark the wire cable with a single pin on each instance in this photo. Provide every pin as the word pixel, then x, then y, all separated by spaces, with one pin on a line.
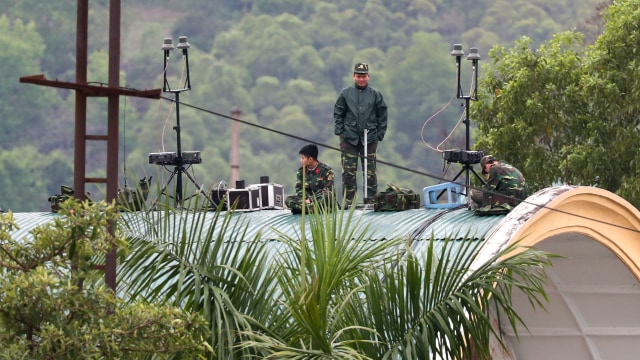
pixel 453 95
pixel 399 167
pixel 460 119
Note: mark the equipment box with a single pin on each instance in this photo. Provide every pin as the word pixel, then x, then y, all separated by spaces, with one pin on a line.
pixel 247 199
pixel 271 196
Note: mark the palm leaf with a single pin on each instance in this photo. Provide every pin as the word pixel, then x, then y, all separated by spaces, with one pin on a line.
pixel 202 262
pixel 315 275
pixel 435 307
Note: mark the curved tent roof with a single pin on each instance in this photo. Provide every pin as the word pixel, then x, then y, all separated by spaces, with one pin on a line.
pixel 594 289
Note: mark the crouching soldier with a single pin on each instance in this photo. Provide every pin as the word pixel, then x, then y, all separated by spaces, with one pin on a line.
pixel 315 178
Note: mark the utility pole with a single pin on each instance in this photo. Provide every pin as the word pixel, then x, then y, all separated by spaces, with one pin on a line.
pixel 84 90
pixel 235 133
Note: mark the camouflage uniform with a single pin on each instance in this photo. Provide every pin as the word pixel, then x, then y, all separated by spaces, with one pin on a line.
pixel 503 179
pixel 350 156
pixel 357 109
pixel 318 187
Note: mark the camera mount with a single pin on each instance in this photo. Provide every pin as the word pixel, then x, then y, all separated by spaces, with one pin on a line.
pixel 467 157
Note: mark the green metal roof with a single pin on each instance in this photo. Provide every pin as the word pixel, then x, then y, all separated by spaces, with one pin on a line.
pixel 419 224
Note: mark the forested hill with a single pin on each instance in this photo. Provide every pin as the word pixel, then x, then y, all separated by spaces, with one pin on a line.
pixel 281 62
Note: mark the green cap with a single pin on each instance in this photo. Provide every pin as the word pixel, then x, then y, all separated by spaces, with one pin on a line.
pixel 361 68
pixel 487 159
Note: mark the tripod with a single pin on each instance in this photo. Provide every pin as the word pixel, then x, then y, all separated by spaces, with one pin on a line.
pixel 181 161
pixel 467 167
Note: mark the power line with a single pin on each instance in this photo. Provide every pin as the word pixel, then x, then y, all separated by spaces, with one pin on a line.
pixel 417 172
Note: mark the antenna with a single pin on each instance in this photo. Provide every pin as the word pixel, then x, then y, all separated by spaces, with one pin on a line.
pixel 180 160
pixel 465 156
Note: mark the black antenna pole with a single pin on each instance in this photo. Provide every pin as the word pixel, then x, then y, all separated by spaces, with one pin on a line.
pixel 466 157
pixel 179 163
pixel 180 158
pixel 458 53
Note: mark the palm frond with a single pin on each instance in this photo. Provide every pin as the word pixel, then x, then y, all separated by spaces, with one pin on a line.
pixel 329 292
pixel 316 274
pixel 202 262
pixel 437 306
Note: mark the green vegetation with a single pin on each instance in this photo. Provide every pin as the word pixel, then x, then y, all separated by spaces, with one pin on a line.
pixel 568 113
pixel 282 62
pixel 190 285
pixel 54 305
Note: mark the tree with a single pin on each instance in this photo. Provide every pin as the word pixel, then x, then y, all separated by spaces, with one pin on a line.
pixel 422 109
pixel 234 44
pixel 28 178
pixel 52 20
pixel 188 263
pixel 536 112
pixel 614 108
pixel 567 112
pixel 53 304
pixel 330 293
pixel 22 115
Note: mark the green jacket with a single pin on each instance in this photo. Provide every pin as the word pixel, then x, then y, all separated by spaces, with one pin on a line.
pixel 358 109
pixel 318 183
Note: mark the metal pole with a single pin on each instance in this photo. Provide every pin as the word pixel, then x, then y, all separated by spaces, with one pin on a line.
pixel 366 155
pixel 235 163
pixel 79 158
pixel 113 128
pixel 179 164
pixel 467 121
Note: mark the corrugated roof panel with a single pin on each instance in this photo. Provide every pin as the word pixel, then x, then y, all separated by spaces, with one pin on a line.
pixel 418 224
pixel 421 224
pixel 265 221
pixel 460 223
pixel 29 221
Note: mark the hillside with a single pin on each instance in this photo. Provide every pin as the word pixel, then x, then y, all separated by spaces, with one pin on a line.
pixel 281 62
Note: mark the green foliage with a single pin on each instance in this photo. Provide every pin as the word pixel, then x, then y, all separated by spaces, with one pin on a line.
pixel 536 112
pixel 21 115
pixel 53 23
pixel 328 292
pixel 54 304
pixel 28 178
pixel 567 112
pixel 185 259
pixel 438 301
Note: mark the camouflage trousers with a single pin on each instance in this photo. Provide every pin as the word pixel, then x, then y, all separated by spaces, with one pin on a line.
pixel 477 198
pixel 294 203
pixel 511 197
pixel 350 156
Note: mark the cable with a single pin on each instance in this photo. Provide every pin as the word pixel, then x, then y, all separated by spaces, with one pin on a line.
pixel 453 95
pixel 439 178
pixel 431 118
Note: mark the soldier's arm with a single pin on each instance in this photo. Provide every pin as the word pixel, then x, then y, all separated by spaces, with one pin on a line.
pixel 299 185
pixel 492 180
pixel 339 111
pixel 381 116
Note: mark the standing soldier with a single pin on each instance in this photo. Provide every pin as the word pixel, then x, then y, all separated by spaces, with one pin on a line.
pixel 359 108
